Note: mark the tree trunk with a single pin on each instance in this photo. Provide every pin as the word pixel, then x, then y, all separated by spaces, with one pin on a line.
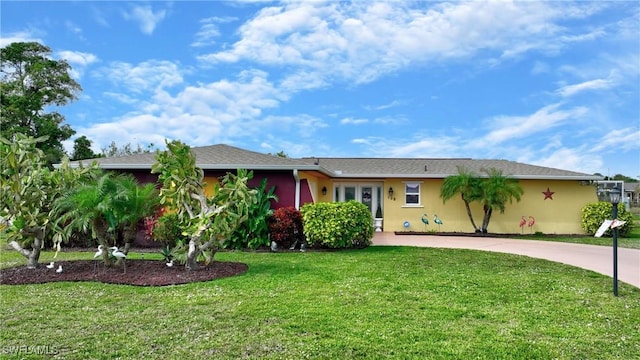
pixel 129 235
pixel 34 255
pixel 101 230
pixel 192 255
pixel 487 217
pixel 130 232
pixel 32 263
pixel 466 204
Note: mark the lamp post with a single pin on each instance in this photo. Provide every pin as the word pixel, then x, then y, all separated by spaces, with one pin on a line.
pixel 614 198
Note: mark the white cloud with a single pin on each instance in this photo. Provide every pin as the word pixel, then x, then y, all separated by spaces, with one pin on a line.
pixel 572 159
pixel 352 121
pixel 360 42
pixel 72 27
pixel 540 68
pixel 596 84
pixel 200 114
pixel 78 58
pixel 625 139
pixel 422 147
pixel 209 30
pixel 505 128
pixel 390 105
pixel 146 76
pixel 19 36
pixel 146 17
pixel 78 61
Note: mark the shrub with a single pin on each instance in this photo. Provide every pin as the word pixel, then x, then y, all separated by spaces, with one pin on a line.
pixel 254 231
pixel 285 226
pixel 167 230
pixel 337 225
pixel 594 214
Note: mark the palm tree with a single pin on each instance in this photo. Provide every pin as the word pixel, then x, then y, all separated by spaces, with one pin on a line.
pixel 467 184
pixel 497 190
pixel 133 202
pixel 89 207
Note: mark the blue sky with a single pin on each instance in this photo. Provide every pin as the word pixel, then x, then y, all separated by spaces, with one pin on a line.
pixel 548 83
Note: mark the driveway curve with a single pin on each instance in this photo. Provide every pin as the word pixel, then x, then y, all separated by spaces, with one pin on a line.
pixel 591 257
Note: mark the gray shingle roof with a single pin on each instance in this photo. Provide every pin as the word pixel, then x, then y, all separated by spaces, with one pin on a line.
pixel 225 157
pixel 207 157
pixel 438 168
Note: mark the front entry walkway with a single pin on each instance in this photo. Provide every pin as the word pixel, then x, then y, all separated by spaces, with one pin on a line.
pixel 591 257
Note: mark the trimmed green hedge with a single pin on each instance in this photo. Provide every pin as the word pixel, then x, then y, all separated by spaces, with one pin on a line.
pixel 337 225
pixel 593 214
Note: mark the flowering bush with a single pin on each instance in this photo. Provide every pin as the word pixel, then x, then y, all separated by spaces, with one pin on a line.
pixel 285 226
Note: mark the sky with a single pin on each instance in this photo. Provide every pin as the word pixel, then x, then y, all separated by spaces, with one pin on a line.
pixel 555 84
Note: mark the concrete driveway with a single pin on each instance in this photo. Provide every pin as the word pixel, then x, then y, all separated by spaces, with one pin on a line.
pixel 591 257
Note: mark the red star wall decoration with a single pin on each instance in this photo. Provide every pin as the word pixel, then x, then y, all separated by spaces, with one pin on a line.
pixel 548 194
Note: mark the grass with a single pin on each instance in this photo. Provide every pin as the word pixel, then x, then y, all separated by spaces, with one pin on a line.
pixel 631 241
pixel 380 302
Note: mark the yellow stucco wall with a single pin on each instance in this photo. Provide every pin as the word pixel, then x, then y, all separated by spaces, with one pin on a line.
pixel 210 183
pixel 558 216
pixel 315 185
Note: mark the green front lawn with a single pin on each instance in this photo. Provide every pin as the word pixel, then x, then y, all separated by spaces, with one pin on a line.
pixel 380 302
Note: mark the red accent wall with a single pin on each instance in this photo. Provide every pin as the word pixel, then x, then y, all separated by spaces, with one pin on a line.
pixel 284 182
pixel 305 193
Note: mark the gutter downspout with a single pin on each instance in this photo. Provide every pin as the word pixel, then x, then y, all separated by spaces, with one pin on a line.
pixel 297 194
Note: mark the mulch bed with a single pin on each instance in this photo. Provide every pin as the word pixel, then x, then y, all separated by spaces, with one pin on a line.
pixel 138 272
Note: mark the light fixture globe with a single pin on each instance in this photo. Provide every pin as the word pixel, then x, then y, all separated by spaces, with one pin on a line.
pixel 615 195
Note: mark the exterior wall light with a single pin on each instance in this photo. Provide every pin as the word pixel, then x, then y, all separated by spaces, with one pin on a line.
pixel 390 193
pixel 324 190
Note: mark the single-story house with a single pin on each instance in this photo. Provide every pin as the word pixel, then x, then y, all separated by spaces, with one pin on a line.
pixel 404 190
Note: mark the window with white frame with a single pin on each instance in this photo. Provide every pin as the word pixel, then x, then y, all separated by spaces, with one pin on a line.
pixel 412 193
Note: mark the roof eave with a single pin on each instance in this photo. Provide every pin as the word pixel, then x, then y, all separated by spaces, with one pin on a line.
pixel 442 176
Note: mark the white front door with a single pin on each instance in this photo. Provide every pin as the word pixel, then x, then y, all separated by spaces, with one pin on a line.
pixel 369 194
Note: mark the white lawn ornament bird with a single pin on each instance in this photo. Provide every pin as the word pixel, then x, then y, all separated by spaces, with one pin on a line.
pixel 97 256
pixel 119 255
pixel 170 263
pixel 51 265
pixel 59 269
pixel 99 252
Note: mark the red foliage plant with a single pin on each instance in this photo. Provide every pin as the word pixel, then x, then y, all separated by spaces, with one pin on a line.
pixel 285 226
pixel 150 222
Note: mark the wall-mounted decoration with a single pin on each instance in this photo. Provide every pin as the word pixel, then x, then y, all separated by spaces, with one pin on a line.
pixel 548 194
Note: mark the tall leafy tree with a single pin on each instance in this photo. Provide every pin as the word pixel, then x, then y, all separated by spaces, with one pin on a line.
pixel 27 191
pixel 466 184
pixel 31 84
pixel 208 222
pixel 497 190
pixel 82 149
